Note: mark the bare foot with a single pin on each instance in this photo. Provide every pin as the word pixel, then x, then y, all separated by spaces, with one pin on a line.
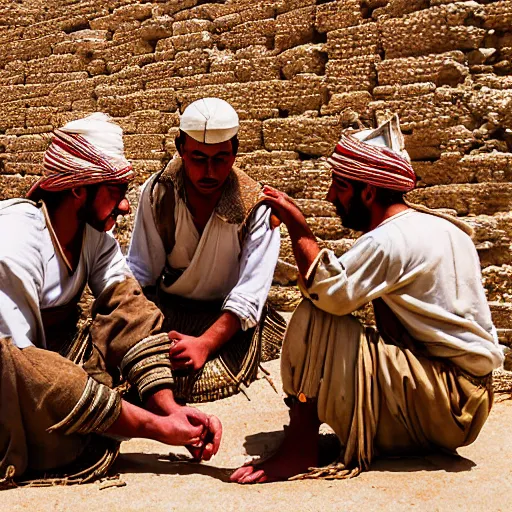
pixel 296 455
pixel 287 462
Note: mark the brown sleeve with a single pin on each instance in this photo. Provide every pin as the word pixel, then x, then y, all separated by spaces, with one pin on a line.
pixel 126 330
pixel 58 393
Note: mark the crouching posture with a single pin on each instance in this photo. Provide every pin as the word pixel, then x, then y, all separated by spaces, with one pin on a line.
pixel 59 410
pixel 421 380
pixel 204 250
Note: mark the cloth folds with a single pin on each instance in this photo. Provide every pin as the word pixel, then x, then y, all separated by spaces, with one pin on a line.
pixel 380 398
pixel 376 157
pixel 79 156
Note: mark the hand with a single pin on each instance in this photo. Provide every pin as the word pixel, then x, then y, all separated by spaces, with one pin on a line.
pixel 210 441
pixel 283 207
pixel 188 352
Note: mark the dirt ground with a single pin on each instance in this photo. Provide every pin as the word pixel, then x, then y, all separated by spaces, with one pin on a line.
pixel 158 480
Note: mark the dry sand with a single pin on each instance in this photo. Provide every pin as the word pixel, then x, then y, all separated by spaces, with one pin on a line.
pixel 481 479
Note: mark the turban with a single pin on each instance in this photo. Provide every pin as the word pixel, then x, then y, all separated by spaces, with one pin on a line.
pixel 210 121
pixel 84 152
pixel 376 157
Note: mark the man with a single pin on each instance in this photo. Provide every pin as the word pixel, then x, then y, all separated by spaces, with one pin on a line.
pixel 204 250
pixel 421 380
pixel 53 410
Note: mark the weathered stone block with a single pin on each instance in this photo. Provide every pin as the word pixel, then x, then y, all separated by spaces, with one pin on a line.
pixel 256 70
pixel 191 41
pixel 250 136
pixel 194 62
pixel 447 68
pixel 436 30
pixel 250 33
pixel 354 74
pixel 306 135
pixel 358 101
pixel 232 19
pixel 338 14
pixel 303 59
pixel 122 14
pixel 15 186
pixel 352 42
pixel 476 199
pixel 55 64
pixel 54 78
pixel 187 82
pixel 295 28
pixel 180 28
pixel 144 147
pixel 497 282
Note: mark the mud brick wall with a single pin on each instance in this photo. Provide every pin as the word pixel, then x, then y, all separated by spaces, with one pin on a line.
pixel 298 72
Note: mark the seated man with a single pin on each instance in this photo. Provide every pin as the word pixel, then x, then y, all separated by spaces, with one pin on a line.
pixel 421 380
pixel 52 409
pixel 204 250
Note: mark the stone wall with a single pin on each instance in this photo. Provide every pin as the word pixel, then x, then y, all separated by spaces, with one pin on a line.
pixel 298 72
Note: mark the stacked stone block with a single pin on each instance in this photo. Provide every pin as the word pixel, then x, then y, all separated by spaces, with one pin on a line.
pixel 298 72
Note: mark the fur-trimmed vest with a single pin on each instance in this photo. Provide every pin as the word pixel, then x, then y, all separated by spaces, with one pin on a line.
pixel 240 196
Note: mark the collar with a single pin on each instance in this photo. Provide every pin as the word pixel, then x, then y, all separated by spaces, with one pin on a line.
pixel 56 244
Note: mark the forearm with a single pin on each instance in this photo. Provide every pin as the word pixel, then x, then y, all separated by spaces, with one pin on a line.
pixel 161 402
pixel 224 328
pixel 134 421
pixel 304 244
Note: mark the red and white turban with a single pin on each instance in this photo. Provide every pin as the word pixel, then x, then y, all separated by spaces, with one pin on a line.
pixel 376 157
pixel 84 152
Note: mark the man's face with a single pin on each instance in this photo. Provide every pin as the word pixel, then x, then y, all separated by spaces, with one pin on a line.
pixel 354 214
pixel 207 165
pixel 103 207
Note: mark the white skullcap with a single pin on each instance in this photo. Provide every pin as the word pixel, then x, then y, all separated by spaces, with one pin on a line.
pixel 210 120
pixel 101 132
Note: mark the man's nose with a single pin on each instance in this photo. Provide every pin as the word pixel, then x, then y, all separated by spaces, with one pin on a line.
pixel 124 207
pixel 210 171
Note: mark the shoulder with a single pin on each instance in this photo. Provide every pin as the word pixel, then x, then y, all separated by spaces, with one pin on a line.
pixel 249 189
pixel 22 227
pixel 19 207
pixel 241 194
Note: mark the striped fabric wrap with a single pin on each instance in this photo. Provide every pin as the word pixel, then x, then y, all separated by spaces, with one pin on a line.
pixel 376 165
pixel 72 161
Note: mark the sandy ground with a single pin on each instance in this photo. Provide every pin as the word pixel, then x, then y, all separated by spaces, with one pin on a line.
pixel 158 480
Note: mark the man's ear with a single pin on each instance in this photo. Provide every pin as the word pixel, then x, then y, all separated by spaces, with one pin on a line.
pixel 369 194
pixel 79 194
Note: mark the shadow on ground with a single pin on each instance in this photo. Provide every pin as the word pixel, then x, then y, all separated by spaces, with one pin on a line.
pixel 263 444
pixel 172 464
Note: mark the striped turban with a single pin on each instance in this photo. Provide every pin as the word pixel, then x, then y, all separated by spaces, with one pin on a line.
pixel 84 152
pixel 376 157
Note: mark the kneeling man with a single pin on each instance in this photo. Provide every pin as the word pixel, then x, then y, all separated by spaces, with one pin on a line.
pixel 421 380
pixel 59 406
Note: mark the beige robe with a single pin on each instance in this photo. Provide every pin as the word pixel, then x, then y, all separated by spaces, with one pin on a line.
pixel 421 380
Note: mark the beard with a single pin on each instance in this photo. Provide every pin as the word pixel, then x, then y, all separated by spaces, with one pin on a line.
pixel 89 215
pixel 357 216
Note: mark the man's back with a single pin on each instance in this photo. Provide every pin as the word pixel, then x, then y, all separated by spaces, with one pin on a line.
pixel 432 282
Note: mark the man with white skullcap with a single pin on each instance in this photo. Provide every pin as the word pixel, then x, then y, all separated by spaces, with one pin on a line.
pixel 419 381
pixel 204 249
pixel 58 396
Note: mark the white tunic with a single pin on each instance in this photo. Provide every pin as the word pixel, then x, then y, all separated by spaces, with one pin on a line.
pixel 427 271
pixel 35 276
pixel 214 264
